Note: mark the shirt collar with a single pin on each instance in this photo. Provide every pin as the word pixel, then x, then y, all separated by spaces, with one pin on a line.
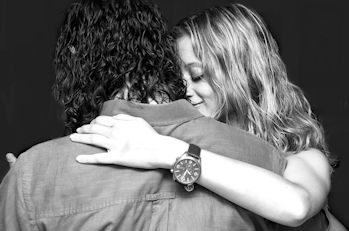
pixel 179 111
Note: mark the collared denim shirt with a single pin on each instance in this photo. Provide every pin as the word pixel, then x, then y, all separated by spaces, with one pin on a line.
pixel 48 190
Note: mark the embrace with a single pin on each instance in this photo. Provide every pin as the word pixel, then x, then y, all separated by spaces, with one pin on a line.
pixel 193 128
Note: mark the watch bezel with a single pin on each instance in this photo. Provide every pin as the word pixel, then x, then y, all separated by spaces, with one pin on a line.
pixel 186 156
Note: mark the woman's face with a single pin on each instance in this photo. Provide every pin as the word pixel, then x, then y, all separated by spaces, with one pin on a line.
pixel 199 91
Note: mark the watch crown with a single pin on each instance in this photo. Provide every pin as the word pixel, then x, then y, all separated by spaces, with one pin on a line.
pixel 171 170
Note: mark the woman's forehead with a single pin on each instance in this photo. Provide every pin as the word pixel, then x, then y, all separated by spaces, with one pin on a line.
pixel 186 52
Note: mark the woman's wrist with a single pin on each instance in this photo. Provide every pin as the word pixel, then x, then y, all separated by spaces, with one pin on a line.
pixel 170 149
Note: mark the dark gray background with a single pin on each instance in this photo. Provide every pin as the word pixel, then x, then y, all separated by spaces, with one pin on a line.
pixel 312 35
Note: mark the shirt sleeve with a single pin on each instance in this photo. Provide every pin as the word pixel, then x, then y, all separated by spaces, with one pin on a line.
pixel 13 211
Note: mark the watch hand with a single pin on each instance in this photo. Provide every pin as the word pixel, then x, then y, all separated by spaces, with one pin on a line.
pixel 189 173
pixel 183 177
pixel 185 173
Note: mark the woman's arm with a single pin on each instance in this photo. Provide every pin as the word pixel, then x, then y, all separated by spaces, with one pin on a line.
pixel 288 200
pixel 310 171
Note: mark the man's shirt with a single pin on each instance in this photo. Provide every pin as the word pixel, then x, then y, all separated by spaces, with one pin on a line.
pixel 48 190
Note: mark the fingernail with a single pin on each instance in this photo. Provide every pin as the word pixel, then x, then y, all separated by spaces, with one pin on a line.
pixel 72 136
pixel 78 129
pixel 79 159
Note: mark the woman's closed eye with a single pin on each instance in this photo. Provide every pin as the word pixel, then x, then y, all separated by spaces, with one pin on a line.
pixel 196 74
pixel 197 78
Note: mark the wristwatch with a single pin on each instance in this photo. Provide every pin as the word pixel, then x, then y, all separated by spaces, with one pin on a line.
pixel 187 168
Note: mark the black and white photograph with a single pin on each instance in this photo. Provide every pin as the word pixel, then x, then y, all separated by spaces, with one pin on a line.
pixel 187 115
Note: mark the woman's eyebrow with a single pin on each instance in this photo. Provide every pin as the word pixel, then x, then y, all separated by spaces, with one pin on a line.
pixel 194 64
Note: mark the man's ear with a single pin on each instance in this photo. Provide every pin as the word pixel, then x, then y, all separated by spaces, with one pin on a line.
pixel 123 93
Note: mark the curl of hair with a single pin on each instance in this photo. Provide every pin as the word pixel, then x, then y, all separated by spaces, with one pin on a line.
pixel 107 48
pixel 243 65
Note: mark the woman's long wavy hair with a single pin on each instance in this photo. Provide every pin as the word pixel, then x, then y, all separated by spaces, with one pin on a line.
pixel 242 64
pixel 107 48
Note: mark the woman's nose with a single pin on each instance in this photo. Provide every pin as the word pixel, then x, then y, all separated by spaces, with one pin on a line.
pixel 190 91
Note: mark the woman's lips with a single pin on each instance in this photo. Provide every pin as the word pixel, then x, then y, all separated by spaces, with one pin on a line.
pixel 196 104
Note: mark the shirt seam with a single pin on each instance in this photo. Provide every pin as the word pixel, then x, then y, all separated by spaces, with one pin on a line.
pixel 175 122
pixel 73 211
pixel 281 160
pixel 24 182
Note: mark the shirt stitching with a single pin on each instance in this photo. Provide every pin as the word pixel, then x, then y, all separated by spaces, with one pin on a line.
pixel 73 211
pixel 175 122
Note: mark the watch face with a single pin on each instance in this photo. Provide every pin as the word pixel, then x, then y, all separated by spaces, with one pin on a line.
pixel 187 171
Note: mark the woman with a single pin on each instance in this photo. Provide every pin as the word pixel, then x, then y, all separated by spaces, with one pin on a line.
pixel 234 73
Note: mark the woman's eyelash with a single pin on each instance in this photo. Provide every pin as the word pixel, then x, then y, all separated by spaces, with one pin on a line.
pixel 197 78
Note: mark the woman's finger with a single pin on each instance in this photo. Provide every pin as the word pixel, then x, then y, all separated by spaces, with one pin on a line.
pixel 108 121
pixel 95 128
pixel 125 117
pixel 93 139
pixel 11 159
pixel 99 158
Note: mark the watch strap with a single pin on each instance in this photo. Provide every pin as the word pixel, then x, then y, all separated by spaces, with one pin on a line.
pixel 194 151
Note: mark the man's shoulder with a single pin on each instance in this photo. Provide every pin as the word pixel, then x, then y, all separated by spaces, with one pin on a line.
pixel 61 148
pixel 211 127
pixel 231 141
pixel 60 141
pixel 41 150
pixel 51 164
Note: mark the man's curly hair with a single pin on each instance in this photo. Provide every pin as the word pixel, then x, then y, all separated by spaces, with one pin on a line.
pixel 107 46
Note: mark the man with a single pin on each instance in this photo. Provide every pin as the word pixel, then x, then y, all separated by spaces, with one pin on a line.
pixel 110 50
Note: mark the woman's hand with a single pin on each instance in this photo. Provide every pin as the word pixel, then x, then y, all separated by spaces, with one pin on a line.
pixel 11 159
pixel 129 141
